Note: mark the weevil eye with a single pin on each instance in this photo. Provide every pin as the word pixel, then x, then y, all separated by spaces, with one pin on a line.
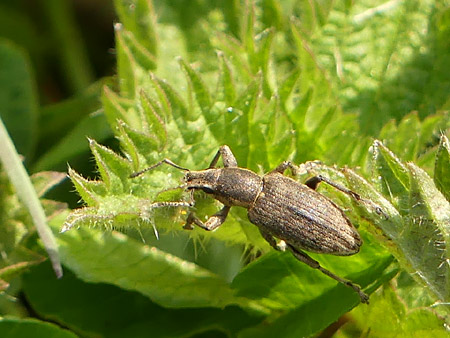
pixel 187 176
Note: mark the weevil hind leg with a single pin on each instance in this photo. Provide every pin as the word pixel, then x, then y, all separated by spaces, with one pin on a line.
pixel 313 182
pixel 229 161
pixel 278 245
pixel 211 224
pixel 303 257
pixel 285 165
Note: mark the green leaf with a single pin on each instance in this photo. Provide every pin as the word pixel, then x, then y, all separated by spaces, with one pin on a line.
pixel 379 58
pixel 114 170
pixel 126 65
pixel 294 286
pixel 153 119
pixel 115 312
pixel 114 106
pixel 74 143
pixel 427 234
pixel 393 179
pixel 45 181
pixel 177 106
pixel 141 55
pixel 421 233
pixel 18 327
pixel 73 56
pixel 201 92
pixel 226 80
pixel 59 119
pixel 18 99
pixel 88 190
pixel 442 167
pixel 387 315
pixel 139 18
pixel 165 279
pixel 285 93
pixel 13 270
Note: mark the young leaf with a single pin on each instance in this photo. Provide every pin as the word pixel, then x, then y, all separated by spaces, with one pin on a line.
pixel 393 179
pixel 152 119
pixel 427 234
pixel 90 191
pixel 140 19
pixel 201 92
pixel 114 170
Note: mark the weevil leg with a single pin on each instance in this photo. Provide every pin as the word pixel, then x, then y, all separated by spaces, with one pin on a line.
pixel 166 161
pixel 313 182
pixel 229 161
pixel 279 245
pixel 212 223
pixel 171 204
pixel 283 166
pixel 303 257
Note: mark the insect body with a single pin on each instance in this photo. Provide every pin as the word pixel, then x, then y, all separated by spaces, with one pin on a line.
pixel 289 215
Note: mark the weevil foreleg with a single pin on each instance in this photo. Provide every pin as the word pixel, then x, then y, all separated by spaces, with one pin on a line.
pixel 303 257
pixel 212 223
pixel 229 161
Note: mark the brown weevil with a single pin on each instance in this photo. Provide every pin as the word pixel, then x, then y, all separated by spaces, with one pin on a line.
pixel 289 215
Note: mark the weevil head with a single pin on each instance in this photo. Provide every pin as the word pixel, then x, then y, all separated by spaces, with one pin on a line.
pixel 205 180
pixel 231 186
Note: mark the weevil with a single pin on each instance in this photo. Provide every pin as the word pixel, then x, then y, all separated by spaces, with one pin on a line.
pixel 290 215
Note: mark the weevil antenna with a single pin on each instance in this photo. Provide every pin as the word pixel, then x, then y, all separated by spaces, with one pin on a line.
pixel 166 161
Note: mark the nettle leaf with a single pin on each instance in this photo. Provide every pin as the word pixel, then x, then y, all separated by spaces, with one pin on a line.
pixel 166 279
pixel 393 178
pixel 379 58
pixel 152 120
pixel 126 65
pixel 388 315
pixel 114 310
pixel 115 108
pixel 428 233
pixel 90 191
pixel 202 95
pixel 114 170
pixel 271 97
pixel 442 167
pixel 139 18
pixel 421 228
pixel 228 86
pixel 44 181
pixel 142 56
pixel 20 327
pixel 414 140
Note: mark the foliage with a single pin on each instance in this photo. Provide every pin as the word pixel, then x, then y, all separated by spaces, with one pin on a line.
pixel 301 81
